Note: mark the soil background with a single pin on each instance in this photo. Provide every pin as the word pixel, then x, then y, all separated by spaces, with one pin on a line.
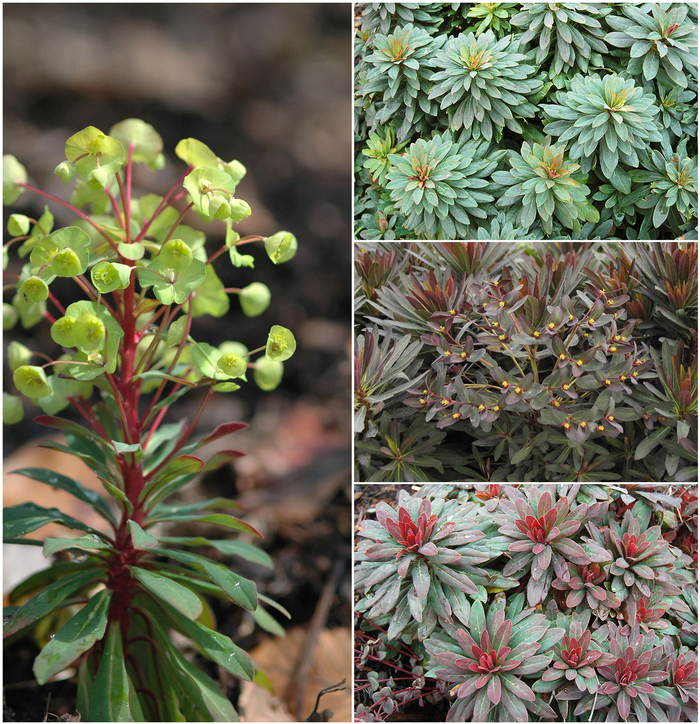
pixel 270 85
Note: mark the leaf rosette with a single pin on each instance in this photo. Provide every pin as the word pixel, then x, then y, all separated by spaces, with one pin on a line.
pixel 543 537
pixel 486 661
pixel 610 120
pixel 484 84
pixel 415 563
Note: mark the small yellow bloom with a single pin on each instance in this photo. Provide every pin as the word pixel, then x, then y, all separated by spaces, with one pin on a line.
pixel 584 424
pixel 562 356
pixel 536 335
pixel 635 374
pixel 442 327
pixel 623 378
pixel 453 311
pixel 607 382
pixel 611 418
pixel 494 324
pixel 556 403
pixel 579 363
pixel 600 428
pixel 422 401
pixel 496 408
pixel 617 337
pixel 501 337
pixel 447 353
pixel 551 325
pixel 481 408
pixel 456 416
pixel 612 349
pixel 566 425
pixel 445 401
pixel 501 304
pixel 623 338
pixel 518 390
pixel 591 321
pixel 565 387
pixel 571 317
pixel 463 355
pixel 504 385
pixel 610 302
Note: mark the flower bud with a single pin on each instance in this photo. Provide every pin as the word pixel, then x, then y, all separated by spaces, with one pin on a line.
pixel 239 210
pixel 62 332
pixel 18 225
pixel 65 171
pixel 31 381
pixel 97 179
pixel 176 254
pixel 89 332
pixel 9 316
pixel 281 247
pixel 280 344
pixel 232 365
pixel 33 289
pixel 17 355
pixel 236 170
pixel 66 263
pixel 219 207
pixel 254 299
pixel 12 409
pixel 268 374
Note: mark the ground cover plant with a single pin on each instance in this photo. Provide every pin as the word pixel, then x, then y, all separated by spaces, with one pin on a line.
pixel 126 350
pixel 586 611
pixel 526 121
pixel 562 361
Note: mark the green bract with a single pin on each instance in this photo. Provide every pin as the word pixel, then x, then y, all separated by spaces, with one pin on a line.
pixel 13 174
pixel 12 409
pixel 610 119
pixel 484 84
pixel 63 253
pixel 281 247
pixel 212 194
pixel 18 224
pixel 280 344
pixel 108 276
pixel 541 181
pixel 175 254
pixel 62 331
pixel 254 299
pixel 31 381
pixel 145 141
pixel 90 149
pixel 268 374
pixel 88 332
pixel 33 289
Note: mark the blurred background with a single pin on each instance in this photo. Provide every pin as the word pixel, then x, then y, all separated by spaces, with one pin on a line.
pixel 269 85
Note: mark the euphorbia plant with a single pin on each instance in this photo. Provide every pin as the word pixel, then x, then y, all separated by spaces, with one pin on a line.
pixel 144 276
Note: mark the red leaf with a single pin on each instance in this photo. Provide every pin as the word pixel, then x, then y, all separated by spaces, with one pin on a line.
pixel 221 431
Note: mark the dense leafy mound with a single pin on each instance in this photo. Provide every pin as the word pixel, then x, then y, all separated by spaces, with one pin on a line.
pixel 587 611
pixel 613 85
pixel 562 361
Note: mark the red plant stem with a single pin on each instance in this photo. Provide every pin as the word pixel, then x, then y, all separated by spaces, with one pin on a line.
pixel 186 434
pixel 162 205
pixel 89 418
pixel 75 210
pixel 61 308
pixel 114 201
pixel 127 207
pixel 179 219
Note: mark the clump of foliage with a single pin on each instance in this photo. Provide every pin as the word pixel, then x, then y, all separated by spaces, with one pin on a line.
pixel 502 654
pixel 529 362
pixel 615 84
pixel 118 601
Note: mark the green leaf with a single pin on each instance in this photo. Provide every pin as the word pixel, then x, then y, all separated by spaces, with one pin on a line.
pixel 240 590
pixel 85 543
pixel 227 547
pixel 209 297
pixel 650 442
pixel 521 455
pixel 133 251
pixel 267 622
pixel 216 646
pixel 179 597
pixel 139 537
pixel 109 696
pixel 13 174
pixel 57 480
pixel 227 521
pixel 22 519
pixel 145 140
pixel 50 598
pixel 74 638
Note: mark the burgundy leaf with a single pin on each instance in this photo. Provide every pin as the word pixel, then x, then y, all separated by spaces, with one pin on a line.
pixel 494 690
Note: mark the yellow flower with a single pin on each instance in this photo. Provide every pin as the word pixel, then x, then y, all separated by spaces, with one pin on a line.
pixel 579 363
pixel 611 418
pixel 551 325
pixel 501 337
pixel 612 349
pixel 600 428
pixel 571 317
pixel 607 382
pixel 481 408
pixel 562 356
pixel 566 425
pixel 504 385
pixel 501 304
pixel 584 424
pixel 496 408
pixel 556 403
pixel 518 390
pixel 456 416
pixel 422 401
pixel 536 334
pixel 591 321
pixel 463 355
pixel 565 387
pixel 445 401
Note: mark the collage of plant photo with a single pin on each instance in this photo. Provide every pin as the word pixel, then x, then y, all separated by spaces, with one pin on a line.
pixel 350 361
